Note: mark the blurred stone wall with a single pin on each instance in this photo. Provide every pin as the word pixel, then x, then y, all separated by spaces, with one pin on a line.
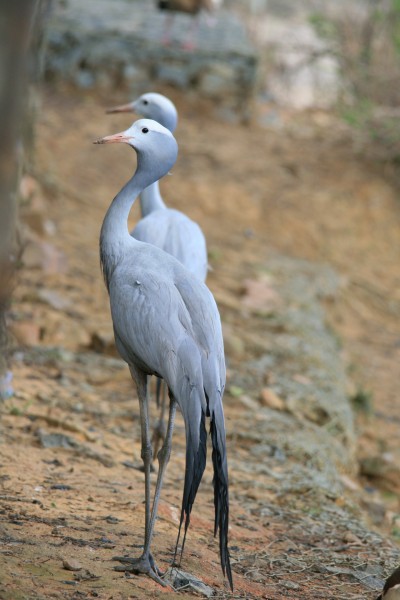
pixel 270 49
pixel 298 69
pixel 124 42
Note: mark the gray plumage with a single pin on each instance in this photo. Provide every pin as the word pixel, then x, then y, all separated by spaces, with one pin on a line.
pixel 166 323
pixel 175 233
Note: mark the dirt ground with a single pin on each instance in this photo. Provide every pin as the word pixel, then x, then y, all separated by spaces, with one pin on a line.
pixel 71 489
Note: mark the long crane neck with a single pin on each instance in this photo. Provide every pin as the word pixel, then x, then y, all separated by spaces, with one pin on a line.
pixel 151 200
pixel 115 239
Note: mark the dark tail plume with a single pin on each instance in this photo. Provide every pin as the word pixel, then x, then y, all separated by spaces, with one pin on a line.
pixel 196 456
pixel 220 482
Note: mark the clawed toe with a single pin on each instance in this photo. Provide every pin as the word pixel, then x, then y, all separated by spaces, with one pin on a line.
pixel 154 567
pixel 143 565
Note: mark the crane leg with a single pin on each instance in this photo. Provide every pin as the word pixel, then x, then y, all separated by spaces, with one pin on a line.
pixel 145 563
pixel 163 459
pixel 159 429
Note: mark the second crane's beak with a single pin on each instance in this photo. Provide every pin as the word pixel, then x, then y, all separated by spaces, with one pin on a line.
pixel 122 108
pixel 114 139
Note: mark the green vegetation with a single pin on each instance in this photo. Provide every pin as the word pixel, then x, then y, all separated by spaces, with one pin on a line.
pixel 362 401
pixel 235 391
pixel 366 43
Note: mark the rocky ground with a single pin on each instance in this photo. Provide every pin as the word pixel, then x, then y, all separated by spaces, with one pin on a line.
pixel 303 236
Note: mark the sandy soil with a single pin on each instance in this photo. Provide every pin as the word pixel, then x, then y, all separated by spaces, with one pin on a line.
pixel 300 189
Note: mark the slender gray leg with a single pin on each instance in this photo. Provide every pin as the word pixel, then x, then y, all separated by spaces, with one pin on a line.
pixel 145 563
pixel 146 452
pixel 163 459
pixel 159 430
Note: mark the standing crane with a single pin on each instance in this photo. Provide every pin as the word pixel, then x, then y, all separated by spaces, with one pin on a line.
pixel 167 228
pixel 190 7
pixel 166 323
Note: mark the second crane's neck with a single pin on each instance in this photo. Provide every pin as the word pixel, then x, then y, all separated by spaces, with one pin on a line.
pixel 115 240
pixel 150 199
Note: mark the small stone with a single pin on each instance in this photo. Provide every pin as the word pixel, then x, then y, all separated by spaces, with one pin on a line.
pixel 302 379
pixel 290 585
pixel 54 299
pixel 349 483
pixel 55 440
pixel 270 399
pixel 181 580
pixel 248 402
pixel 71 565
pixel 351 538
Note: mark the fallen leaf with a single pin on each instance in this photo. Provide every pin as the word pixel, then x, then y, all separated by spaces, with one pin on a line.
pixel 25 332
pixel 270 399
pixel 259 295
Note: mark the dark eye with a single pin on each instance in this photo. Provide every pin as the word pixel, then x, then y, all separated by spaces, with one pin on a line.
pixel 145 102
pixel 145 130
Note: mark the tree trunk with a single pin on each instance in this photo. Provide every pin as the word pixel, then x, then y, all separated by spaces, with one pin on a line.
pixel 20 28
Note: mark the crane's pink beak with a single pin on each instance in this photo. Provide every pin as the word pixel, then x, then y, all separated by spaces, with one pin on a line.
pixel 119 109
pixel 114 139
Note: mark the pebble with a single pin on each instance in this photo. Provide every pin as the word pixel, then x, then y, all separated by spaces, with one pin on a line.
pixel 71 565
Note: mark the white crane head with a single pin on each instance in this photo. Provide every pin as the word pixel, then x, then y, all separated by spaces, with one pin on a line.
pixel 152 106
pixel 154 144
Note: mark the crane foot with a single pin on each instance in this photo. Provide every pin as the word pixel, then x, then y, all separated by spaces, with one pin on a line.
pixel 144 565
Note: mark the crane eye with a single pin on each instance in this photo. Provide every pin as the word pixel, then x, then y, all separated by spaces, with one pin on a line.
pixel 145 102
pixel 145 130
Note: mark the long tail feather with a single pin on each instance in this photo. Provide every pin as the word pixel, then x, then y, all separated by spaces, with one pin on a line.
pixel 220 482
pixel 196 456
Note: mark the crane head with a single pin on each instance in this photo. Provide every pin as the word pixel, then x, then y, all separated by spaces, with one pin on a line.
pixel 152 106
pixel 154 144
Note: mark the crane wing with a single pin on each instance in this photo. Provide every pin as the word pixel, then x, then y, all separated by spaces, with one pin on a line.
pixel 176 234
